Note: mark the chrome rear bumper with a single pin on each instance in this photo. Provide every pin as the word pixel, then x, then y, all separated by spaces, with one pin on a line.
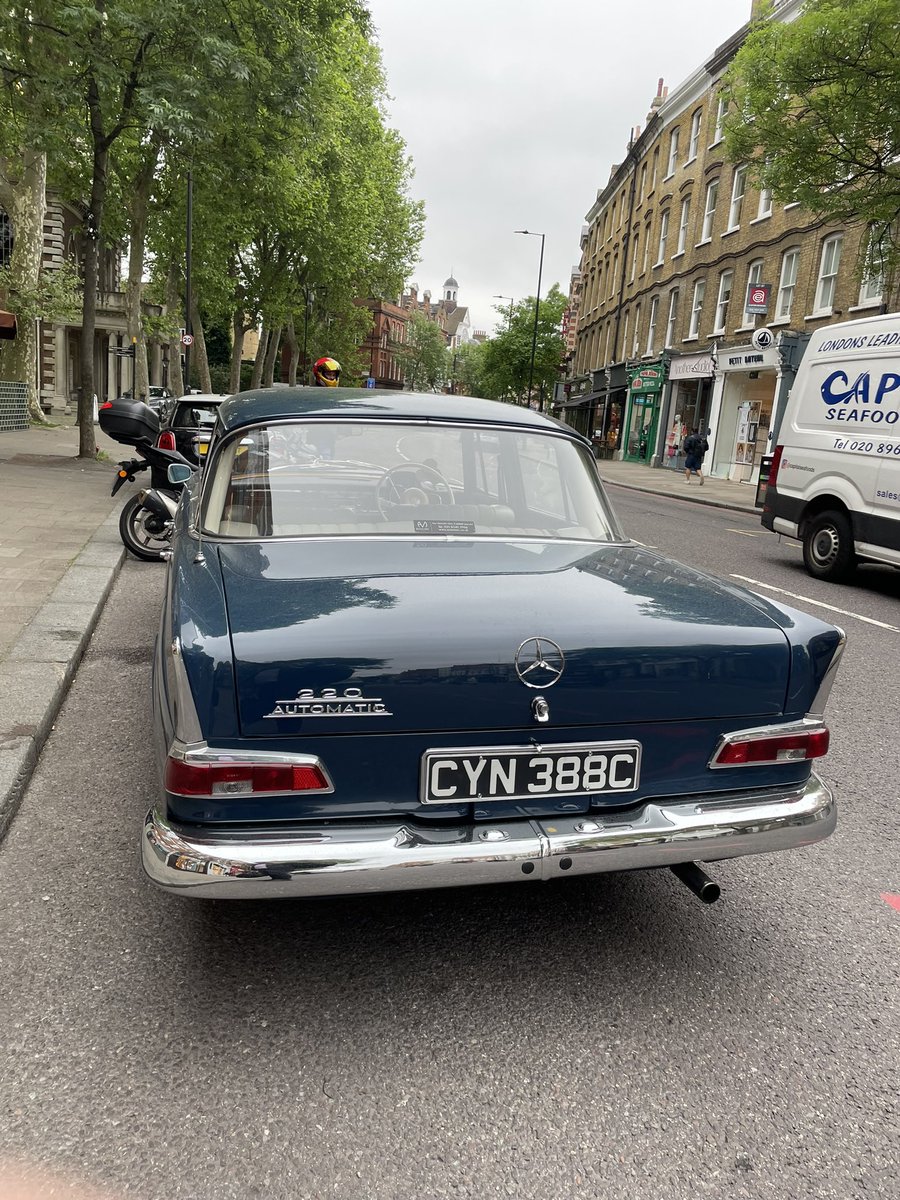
pixel 334 859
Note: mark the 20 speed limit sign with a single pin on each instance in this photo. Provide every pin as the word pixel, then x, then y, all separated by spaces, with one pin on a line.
pixel 187 339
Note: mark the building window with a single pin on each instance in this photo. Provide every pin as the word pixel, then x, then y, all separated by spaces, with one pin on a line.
pixel 663 236
pixel 872 289
pixel 613 275
pixel 787 283
pixel 738 187
pixel 655 169
pixel 634 257
pixel 697 307
pixel 726 279
pixel 765 204
pixel 673 152
pixel 712 195
pixel 828 269
pixel 720 119
pixel 646 248
pixel 643 188
pixel 651 325
pixel 694 141
pixel 673 313
pixel 754 279
pixel 683 226
pixel 637 330
pixel 624 335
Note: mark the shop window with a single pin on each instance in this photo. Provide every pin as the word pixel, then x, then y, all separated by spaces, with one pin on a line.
pixel 828 269
pixel 651 325
pixel 726 281
pixel 738 187
pixel 673 315
pixel 673 152
pixel 683 225
pixel 787 283
pixel 709 214
pixel 697 307
pixel 694 140
pixel 663 237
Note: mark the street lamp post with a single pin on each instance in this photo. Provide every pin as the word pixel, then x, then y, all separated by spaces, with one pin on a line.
pixel 511 303
pixel 537 309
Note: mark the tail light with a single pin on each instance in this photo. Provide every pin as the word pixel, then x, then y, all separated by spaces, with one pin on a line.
pixel 166 440
pixel 771 746
pixel 232 777
pixel 776 463
pixel 106 404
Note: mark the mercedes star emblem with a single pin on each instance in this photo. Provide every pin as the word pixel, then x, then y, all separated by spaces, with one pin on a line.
pixel 539 662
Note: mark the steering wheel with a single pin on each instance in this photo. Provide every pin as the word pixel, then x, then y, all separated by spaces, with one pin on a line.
pixel 415 484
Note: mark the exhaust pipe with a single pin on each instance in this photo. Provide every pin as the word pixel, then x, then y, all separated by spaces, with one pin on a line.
pixel 695 878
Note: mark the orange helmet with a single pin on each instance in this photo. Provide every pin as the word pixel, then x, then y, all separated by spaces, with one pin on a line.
pixel 327 372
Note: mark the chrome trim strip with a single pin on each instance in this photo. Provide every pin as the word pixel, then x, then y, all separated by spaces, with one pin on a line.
pixel 806 725
pixel 339 859
pixel 820 700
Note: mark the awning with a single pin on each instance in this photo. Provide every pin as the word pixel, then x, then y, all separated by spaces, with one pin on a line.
pixel 7 325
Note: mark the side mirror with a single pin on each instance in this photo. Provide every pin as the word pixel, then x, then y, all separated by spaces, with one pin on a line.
pixel 179 472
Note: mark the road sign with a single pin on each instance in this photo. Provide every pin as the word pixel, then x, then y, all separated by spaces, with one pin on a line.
pixel 762 339
pixel 187 339
pixel 370 382
pixel 123 353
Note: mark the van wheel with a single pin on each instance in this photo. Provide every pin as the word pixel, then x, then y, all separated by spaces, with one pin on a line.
pixel 828 547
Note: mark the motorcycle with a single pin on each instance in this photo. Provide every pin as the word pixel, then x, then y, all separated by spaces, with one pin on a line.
pixel 147 518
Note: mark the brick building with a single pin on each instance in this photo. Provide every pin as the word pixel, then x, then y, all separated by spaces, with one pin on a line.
pixel 677 242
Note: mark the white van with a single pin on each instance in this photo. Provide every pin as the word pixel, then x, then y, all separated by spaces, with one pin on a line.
pixel 835 476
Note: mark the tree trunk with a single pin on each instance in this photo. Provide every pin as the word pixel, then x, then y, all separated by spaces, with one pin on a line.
pixel 201 361
pixel 271 357
pixel 238 330
pixel 256 377
pixel 134 288
pixel 25 204
pixel 173 306
pixel 290 337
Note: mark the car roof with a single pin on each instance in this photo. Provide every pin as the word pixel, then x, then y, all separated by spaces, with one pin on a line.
pixel 252 408
pixel 204 399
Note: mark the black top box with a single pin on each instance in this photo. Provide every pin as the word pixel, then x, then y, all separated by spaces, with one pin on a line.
pixel 130 422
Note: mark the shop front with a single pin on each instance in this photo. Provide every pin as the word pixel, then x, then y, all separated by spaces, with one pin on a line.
pixel 748 385
pixel 688 397
pixel 643 410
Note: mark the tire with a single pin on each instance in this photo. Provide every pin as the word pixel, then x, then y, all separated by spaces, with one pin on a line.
pixel 828 546
pixel 142 532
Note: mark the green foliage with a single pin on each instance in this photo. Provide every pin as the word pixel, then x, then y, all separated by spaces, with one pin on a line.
pixel 57 296
pixel 423 356
pixel 505 360
pixel 813 105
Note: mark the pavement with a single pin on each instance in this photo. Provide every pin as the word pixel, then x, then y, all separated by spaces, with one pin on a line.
pixel 60 553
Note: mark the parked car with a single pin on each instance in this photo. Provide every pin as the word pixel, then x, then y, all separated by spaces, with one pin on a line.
pixel 156 396
pixel 834 482
pixel 184 423
pixel 406 644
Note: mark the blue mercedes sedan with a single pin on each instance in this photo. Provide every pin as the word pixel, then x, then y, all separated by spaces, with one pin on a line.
pixel 405 644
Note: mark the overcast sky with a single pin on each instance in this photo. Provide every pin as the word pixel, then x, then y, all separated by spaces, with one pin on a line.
pixel 513 112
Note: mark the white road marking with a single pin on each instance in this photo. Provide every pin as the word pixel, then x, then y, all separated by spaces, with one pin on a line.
pixel 818 603
pixel 743 532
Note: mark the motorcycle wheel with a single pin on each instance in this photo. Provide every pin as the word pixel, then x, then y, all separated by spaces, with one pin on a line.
pixel 142 531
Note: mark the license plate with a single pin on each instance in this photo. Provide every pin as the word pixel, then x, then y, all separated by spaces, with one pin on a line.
pixel 516 773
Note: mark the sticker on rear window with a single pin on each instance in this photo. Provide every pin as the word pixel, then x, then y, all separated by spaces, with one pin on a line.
pixel 443 526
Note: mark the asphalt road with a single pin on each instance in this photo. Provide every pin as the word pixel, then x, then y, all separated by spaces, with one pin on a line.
pixel 608 1037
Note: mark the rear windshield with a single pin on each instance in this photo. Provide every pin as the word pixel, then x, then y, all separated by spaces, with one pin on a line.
pixel 329 478
pixel 192 416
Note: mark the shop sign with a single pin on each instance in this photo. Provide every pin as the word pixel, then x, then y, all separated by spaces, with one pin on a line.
pixel 758 297
pixel 747 358
pixel 691 366
pixel 648 379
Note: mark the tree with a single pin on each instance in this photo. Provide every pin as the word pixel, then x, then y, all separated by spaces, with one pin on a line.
pixel 423 356
pixel 813 105
pixel 506 360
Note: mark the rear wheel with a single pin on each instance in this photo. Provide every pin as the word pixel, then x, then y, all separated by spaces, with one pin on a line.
pixel 143 532
pixel 828 547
